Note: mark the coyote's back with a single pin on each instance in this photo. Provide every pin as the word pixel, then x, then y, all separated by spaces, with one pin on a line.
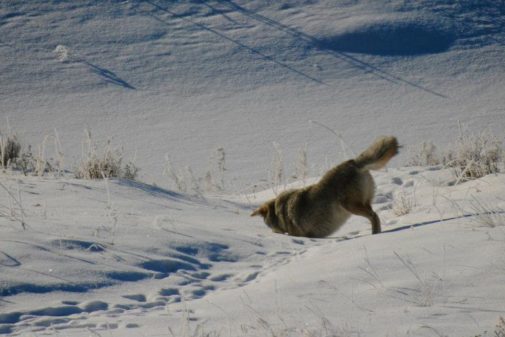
pixel 320 209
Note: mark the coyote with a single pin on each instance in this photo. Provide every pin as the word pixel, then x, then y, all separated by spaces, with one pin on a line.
pixel 319 210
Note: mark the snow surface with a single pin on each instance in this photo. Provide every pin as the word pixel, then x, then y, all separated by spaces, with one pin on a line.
pixel 128 259
pixel 184 78
pixel 180 79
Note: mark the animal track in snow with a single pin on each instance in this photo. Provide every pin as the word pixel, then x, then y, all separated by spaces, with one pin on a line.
pixel 214 252
pixel 78 245
pixel 127 276
pixel 382 198
pixel 169 292
pixel 166 267
pixel 221 277
pixel 136 297
pixel 48 314
pixel 397 181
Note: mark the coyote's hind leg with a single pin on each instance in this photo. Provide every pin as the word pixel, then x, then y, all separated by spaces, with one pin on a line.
pixel 367 212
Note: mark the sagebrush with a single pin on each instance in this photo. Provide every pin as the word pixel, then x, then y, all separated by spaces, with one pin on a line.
pixel 15 156
pixel 470 156
pixel 475 155
pixel 104 163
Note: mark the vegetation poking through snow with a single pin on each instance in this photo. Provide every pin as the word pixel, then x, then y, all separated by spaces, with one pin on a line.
pixel 475 155
pixel 471 156
pixel 187 181
pixel 10 149
pixel 424 154
pixel 105 163
pixel 403 202
pixel 14 156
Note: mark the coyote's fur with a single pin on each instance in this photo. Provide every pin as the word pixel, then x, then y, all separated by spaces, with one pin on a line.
pixel 320 209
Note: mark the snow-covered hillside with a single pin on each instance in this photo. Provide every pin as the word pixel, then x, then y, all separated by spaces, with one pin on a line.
pixel 261 81
pixel 186 77
pixel 122 258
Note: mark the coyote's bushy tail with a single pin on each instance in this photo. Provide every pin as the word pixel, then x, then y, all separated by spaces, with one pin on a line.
pixel 378 154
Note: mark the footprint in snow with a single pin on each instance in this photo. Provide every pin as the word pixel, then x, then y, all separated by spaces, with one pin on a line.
pixel 70 302
pixel 282 252
pixel 155 304
pixel 136 297
pixel 166 267
pixel 221 278
pixel 383 198
pixel 201 275
pixel 108 326
pixel 169 292
pixel 61 312
pixel 127 276
pixel 199 293
pixel 397 181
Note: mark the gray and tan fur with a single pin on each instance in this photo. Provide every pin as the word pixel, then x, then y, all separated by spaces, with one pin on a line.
pixel 320 209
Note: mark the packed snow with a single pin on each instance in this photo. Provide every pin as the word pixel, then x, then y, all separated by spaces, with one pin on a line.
pixel 226 95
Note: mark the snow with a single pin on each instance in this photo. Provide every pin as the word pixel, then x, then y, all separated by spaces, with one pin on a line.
pixel 138 259
pixel 182 79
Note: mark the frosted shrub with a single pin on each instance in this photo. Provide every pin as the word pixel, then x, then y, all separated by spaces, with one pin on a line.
pixel 40 163
pixel 214 178
pixel 277 173
pixel 174 175
pixel 424 155
pixel 475 155
pixel 10 149
pixel 130 171
pixel 95 166
pixel 12 155
pixel 62 53
pixel 106 164
pixel 471 156
pixel 25 162
pixel 187 181
pixel 403 202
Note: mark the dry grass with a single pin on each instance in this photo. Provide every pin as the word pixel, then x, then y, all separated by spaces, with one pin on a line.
pixel 186 181
pixel 107 163
pixel 425 154
pixel 487 215
pixel 403 201
pixel 475 155
pixel 15 210
pixel 10 149
pixel 471 156
pixel 14 156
